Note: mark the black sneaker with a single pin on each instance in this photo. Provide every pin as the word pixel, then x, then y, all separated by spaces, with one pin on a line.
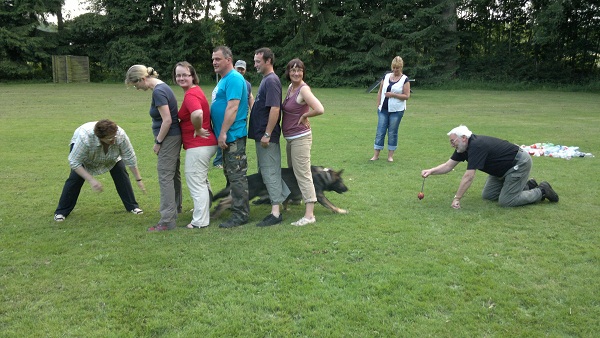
pixel 548 192
pixel 232 223
pixel 270 220
pixel 532 184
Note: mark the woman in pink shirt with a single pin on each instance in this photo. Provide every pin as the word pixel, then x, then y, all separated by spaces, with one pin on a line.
pixel 198 139
pixel 300 104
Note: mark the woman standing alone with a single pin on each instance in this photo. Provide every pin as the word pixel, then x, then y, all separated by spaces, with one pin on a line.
pixel 394 90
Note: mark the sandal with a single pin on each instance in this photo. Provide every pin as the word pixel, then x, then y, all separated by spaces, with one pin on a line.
pixel 137 211
pixel 191 226
pixel 59 217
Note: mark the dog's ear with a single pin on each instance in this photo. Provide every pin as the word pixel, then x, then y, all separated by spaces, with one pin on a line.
pixel 340 172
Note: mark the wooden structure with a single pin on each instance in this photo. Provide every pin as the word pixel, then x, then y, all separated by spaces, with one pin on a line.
pixel 70 68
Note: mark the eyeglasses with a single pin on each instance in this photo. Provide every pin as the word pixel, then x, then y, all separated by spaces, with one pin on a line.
pixel 296 70
pixel 453 142
pixel 180 76
pixel 108 139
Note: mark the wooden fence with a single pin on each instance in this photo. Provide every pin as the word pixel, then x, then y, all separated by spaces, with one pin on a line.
pixel 70 68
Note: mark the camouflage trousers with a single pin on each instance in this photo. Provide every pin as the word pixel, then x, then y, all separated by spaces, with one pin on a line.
pixel 235 167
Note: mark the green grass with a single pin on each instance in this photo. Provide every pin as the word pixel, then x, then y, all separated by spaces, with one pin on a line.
pixel 394 266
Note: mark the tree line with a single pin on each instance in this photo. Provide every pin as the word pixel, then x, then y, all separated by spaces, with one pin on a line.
pixel 342 42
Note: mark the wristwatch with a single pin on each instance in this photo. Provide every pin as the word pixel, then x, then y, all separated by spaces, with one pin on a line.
pixel 156 142
pixel 267 134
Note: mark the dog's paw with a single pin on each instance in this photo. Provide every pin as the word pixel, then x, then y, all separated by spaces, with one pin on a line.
pixel 341 211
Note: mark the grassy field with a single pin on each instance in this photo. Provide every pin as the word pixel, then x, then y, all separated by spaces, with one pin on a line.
pixel 393 266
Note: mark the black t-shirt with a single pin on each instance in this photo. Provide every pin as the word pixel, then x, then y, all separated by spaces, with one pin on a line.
pixel 488 154
pixel 269 95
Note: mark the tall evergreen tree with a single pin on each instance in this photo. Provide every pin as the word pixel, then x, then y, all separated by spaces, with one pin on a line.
pixel 24 48
pixel 157 33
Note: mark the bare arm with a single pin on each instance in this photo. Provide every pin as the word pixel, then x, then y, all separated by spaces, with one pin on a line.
pixel 273 119
pixel 230 115
pixel 405 95
pixel 315 107
pixel 307 96
pixel 440 169
pixel 379 93
pixel 250 101
pixel 465 183
pixel 96 185
pixel 138 178
pixel 197 119
pixel 165 115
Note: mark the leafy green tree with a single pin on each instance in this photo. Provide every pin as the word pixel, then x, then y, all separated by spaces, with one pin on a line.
pixel 87 34
pixel 348 43
pixel 24 48
pixel 566 38
pixel 157 33
pixel 529 40
pixel 343 42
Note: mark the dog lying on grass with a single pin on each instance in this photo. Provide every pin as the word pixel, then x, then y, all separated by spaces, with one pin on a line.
pixel 324 179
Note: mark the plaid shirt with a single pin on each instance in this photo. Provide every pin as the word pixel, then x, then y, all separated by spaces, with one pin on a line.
pixel 88 152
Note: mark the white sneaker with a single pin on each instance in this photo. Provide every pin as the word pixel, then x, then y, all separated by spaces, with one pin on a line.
pixel 137 211
pixel 59 217
pixel 304 221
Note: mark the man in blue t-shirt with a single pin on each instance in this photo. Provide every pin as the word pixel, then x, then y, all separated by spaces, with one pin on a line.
pixel 240 66
pixel 506 163
pixel 228 113
pixel 264 128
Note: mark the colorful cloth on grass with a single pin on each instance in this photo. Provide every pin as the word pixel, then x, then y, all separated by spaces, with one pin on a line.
pixel 555 150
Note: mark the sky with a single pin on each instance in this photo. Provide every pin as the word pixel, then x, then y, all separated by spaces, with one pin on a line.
pixel 70 10
pixel 73 8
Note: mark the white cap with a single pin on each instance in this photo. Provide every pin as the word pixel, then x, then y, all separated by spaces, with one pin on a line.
pixel 240 64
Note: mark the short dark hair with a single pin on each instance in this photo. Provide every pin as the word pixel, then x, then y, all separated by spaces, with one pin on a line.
pixel 267 54
pixel 104 128
pixel 190 68
pixel 225 50
pixel 294 63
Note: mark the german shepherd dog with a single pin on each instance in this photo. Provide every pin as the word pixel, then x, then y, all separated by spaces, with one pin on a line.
pixel 324 179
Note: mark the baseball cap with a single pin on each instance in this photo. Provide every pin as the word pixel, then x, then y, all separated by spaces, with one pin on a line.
pixel 240 64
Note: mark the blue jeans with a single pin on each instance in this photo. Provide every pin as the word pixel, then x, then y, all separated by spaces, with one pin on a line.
pixel 390 123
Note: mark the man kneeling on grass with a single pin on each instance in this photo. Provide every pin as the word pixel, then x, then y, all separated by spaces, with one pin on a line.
pixel 97 147
pixel 506 163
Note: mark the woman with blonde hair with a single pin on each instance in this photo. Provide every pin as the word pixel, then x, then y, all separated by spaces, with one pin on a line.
pixel 167 141
pixel 394 90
